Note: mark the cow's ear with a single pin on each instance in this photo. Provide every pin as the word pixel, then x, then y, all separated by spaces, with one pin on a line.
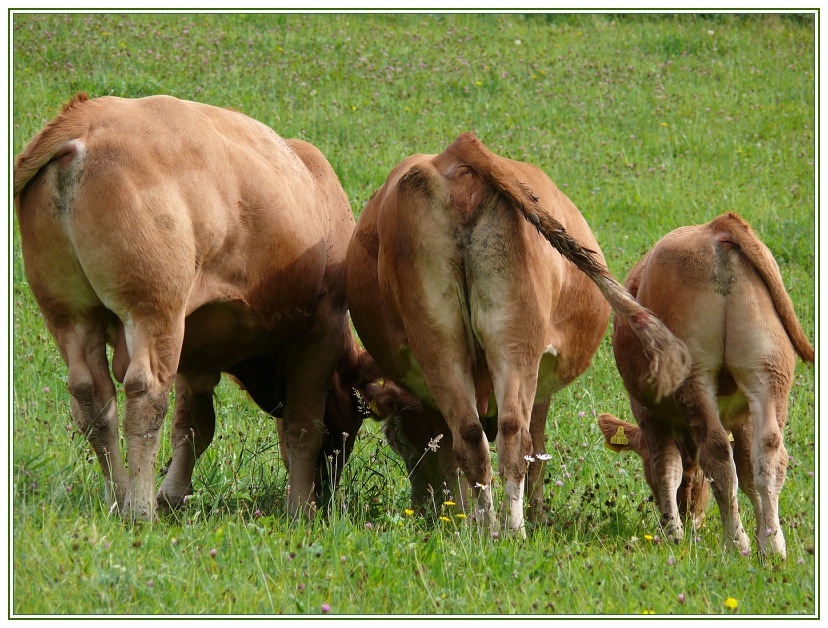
pixel 619 436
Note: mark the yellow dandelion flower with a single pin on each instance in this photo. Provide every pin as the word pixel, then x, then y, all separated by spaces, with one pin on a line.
pixel 408 512
pixel 460 515
pixel 448 502
pixel 444 518
pixel 478 83
pixel 648 537
pixel 663 124
pixel 731 603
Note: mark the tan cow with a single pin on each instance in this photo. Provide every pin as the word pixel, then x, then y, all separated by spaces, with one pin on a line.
pixel 718 288
pixel 459 299
pixel 196 241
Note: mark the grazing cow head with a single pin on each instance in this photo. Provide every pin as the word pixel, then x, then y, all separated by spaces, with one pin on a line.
pixel 353 379
pixel 693 494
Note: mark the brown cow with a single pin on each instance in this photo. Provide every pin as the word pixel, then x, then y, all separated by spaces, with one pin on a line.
pixel 196 241
pixel 718 288
pixel 458 298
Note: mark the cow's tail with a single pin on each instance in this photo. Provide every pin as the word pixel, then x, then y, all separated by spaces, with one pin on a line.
pixel 738 232
pixel 669 357
pixel 52 142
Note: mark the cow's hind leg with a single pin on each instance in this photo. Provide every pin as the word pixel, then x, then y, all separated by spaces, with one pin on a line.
pixel 194 424
pixel 515 392
pixel 741 446
pixel 93 404
pixel 769 412
pixel 155 346
pixel 697 403
pixel 448 376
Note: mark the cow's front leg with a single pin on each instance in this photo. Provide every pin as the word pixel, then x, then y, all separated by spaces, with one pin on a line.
pixel 302 427
pixel 194 424
pixel 301 438
pixel 741 446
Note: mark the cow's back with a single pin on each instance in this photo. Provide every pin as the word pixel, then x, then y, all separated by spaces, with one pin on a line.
pixel 215 202
pixel 488 255
pixel 709 294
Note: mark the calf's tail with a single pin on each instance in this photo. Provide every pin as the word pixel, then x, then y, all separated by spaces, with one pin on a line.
pixel 668 356
pixel 741 234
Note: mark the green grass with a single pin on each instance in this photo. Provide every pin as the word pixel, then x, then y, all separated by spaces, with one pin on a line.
pixel 646 122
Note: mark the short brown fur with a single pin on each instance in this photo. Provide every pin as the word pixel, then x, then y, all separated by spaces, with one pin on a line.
pixel 718 288
pixel 195 241
pixel 463 304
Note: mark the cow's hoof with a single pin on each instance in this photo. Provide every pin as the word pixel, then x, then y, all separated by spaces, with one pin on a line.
pixel 772 543
pixel 738 542
pixel 674 532
pixel 139 513
pixel 168 504
pixel 515 533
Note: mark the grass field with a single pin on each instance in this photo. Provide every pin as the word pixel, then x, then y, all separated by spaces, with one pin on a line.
pixel 646 122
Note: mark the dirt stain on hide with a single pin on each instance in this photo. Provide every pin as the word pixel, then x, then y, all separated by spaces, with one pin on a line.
pixel 67 181
pixel 723 277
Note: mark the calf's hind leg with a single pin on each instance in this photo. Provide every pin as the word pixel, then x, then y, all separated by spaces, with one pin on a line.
pixel 769 412
pixel 534 477
pixel 697 404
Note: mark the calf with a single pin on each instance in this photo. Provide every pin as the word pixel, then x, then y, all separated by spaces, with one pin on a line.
pixel 196 241
pixel 454 290
pixel 718 288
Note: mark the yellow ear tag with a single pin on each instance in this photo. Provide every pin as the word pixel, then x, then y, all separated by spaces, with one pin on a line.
pixel 730 436
pixel 373 407
pixel 620 438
